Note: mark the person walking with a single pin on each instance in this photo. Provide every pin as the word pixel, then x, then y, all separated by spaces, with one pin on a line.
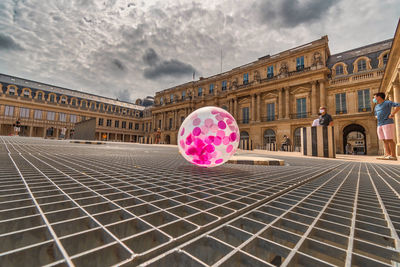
pixel 17 127
pixel 386 128
pixel 325 119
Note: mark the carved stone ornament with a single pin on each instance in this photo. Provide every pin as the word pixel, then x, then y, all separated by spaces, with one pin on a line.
pixel 284 69
pixel 317 59
pixel 257 76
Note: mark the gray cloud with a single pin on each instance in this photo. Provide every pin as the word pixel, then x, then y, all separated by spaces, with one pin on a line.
pixel 290 13
pixel 150 57
pixel 129 49
pixel 8 43
pixel 118 64
pixel 160 68
pixel 124 95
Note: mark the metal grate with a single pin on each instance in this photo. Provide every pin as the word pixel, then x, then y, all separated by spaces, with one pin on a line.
pixel 86 205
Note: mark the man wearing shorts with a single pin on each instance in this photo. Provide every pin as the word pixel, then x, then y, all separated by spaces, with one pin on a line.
pixel 386 128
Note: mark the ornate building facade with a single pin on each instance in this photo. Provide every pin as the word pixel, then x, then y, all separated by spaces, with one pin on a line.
pixel 273 96
pixel 44 110
pixel 277 95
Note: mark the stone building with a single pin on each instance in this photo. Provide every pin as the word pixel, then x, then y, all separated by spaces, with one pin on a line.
pixel 273 96
pixel 277 95
pixel 390 83
pixel 45 109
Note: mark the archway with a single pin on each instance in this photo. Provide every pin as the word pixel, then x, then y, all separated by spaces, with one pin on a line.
pixel 244 140
pixel 269 137
pixel 167 139
pixel 354 134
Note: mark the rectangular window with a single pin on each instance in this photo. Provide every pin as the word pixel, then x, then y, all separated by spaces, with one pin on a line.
pixel 130 126
pixel 116 124
pixel 101 121
pixel 109 123
pixel 301 108
pixel 63 100
pixel 183 94
pixel 341 103
pixel 270 111
pixel 246 113
pixel 224 85
pixel 123 125
pixel 26 93
pixel 270 72
pixel 9 111
pixel 211 90
pixel 170 123
pixel 51 115
pixel 300 63
pixel 40 96
pixel 38 114
pixel 136 126
pixel 245 78
pixel 200 91
pixel 73 118
pixel 62 117
pixel 142 126
pixel 171 97
pixel 147 127
pixel 11 91
pixel 161 100
pixel 150 126
pixel 364 103
pixel 24 112
pixel 159 124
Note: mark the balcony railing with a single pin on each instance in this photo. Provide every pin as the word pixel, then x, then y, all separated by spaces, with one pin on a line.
pixel 269 118
pixel 300 115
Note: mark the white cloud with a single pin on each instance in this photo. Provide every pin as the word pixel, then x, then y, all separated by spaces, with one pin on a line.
pixel 98 46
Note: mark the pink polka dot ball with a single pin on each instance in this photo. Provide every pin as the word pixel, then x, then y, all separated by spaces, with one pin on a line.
pixel 208 137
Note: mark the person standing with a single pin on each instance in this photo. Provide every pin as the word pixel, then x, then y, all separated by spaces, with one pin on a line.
pixel 386 128
pixel 63 132
pixel 17 127
pixel 325 119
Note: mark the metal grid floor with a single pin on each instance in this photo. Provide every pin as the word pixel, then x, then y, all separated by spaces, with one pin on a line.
pixel 85 205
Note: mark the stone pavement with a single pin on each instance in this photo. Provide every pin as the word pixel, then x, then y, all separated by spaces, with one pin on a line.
pixel 127 204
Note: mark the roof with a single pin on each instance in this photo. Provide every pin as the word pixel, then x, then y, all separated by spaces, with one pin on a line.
pixel 65 91
pixel 372 51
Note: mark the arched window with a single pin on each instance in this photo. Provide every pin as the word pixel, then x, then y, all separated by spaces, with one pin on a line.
pixel 26 93
pixel 339 70
pixel 11 91
pixel 84 103
pixel 64 100
pixel 362 65
pixel 40 96
pixel 385 58
pixel 52 98
pixel 269 136
pixel 92 106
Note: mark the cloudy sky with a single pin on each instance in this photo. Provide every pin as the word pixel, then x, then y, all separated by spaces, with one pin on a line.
pixel 128 49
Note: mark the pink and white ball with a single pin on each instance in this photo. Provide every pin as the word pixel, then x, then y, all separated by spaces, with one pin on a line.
pixel 208 137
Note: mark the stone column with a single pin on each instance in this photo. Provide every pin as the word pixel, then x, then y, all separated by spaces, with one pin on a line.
pixel 313 98
pixel 287 103
pixel 322 93
pixel 258 107
pixel 235 115
pixel 30 131
pixel 280 103
pixel 253 108
pixel 396 96
pixel 229 106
